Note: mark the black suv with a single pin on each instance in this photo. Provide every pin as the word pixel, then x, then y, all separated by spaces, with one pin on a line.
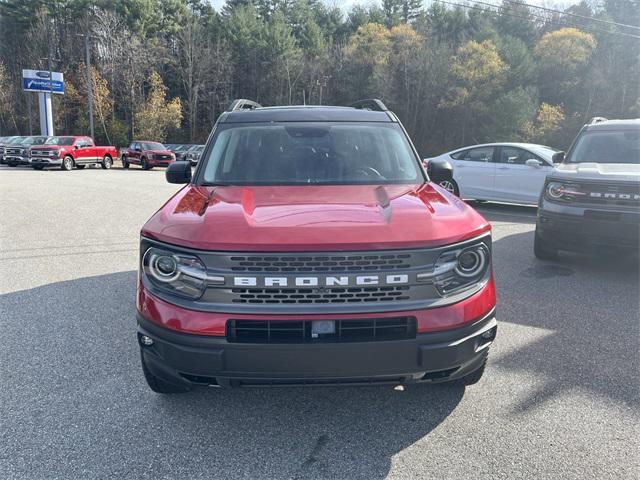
pixel 592 199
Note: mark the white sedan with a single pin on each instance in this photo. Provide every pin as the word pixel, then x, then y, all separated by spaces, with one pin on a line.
pixel 500 172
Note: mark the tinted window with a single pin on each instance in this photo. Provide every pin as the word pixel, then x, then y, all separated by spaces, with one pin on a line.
pixel 621 146
pixel 152 146
pixel 516 156
pixel 480 154
pixel 311 153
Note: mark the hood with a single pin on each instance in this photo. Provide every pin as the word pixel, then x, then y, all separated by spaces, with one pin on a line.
pixel 598 171
pixel 50 147
pixel 314 218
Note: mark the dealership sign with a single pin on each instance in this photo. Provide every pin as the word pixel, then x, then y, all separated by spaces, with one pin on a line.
pixel 42 81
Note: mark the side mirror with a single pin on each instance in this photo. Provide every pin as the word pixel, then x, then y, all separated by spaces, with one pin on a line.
pixel 178 172
pixel 439 170
pixel 558 157
pixel 532 162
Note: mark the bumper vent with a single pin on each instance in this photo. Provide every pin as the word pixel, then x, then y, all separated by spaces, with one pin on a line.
pixel 312 263
pixel 299 331
pixel 320 295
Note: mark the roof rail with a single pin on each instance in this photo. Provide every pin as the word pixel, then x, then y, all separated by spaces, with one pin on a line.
pixel 242 104
pixel 597 120
pixel 370 104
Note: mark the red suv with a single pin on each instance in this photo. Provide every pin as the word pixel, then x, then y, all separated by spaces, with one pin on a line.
pixel 311 247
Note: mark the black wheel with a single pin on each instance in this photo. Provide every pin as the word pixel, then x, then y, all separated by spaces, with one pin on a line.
pixel 107 161
pixel 144 164
pixel 542 249
pixel 80 167
pixel 475 376
pixel 67 163
pixel 125 163
pixel 450 186
pixel 158 385
pixel 37 167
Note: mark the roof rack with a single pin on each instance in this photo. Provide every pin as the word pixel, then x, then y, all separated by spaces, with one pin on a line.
pixel 370 104
pixel 597 120
pixel 242 104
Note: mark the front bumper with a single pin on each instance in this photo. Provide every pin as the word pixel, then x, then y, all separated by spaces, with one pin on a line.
pixel 46 161
pixel 17 160
pixel 189 360
pixel 584 228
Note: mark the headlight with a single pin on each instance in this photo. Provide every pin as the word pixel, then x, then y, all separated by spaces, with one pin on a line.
pixel 176 273
pixel 460 269
pixel 563 191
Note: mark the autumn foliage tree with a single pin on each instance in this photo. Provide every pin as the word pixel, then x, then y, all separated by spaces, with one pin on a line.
pixel 156 116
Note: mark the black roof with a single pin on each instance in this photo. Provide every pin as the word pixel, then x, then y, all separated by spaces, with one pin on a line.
pixel 306 113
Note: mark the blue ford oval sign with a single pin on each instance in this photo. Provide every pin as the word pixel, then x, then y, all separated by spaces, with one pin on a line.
pixel 42 81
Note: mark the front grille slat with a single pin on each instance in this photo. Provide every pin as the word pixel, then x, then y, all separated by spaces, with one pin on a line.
pixel 320 263
pixel 299 331
pixel 325 295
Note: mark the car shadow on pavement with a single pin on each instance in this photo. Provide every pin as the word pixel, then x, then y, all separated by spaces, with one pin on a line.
pixel 75 404
pixel 589 307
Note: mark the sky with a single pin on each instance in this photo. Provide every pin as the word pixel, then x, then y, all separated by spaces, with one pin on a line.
pixel 347 4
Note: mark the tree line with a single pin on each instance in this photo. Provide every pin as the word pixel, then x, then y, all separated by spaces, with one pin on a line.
pixel 455 73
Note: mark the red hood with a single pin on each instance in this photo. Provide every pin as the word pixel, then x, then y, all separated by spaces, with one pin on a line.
pixel 50 147
pixel 314 218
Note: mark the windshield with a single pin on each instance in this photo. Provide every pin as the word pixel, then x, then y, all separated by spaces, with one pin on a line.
pixel 16 140
pixel 607 146
pixel 152 146
pixel 544 151
pixel 59 141
pixel 301 153
pixel 33 141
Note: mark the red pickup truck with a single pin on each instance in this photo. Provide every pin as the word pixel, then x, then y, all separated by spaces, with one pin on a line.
pixel 146 154
pixel 71 151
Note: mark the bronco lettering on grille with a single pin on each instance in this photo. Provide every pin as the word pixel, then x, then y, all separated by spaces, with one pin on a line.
pixel 328 281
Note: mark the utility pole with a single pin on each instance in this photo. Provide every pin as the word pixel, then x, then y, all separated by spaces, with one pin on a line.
pixel 322 83
pixel 89 84
pixel 87 53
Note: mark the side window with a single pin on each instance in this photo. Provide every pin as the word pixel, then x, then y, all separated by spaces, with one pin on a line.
pixel 516 156
pixel 88 142
pixel 480 154
pixel 132 146
pixel 80 143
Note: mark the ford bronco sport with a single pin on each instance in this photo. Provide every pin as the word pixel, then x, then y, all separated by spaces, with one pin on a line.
pixel 591 201
pixel 310 247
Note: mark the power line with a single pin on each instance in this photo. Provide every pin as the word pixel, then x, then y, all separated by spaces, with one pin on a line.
pixel 544 19
pixel 584 17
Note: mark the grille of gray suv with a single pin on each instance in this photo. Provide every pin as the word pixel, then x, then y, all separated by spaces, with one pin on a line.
pixel 321 263
pixel 611 194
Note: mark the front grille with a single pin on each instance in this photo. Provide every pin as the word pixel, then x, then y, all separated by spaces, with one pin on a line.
pixel 161 157
pixel 300 331
pixel 14 151
pixel 320 295
pixel 610 194
pixel 324 263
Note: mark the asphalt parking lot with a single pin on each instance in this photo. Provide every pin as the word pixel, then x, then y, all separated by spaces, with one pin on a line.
pixel 560 398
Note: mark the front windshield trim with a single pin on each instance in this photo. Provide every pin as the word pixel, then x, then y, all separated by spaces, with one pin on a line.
pixel 198 177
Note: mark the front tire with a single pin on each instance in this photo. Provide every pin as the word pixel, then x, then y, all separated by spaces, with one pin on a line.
pixel 542 250
pixel 450 186
pixel 107 162
pixel 144 164
pixel 125 163
pixel 157 384
pixel 67 163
